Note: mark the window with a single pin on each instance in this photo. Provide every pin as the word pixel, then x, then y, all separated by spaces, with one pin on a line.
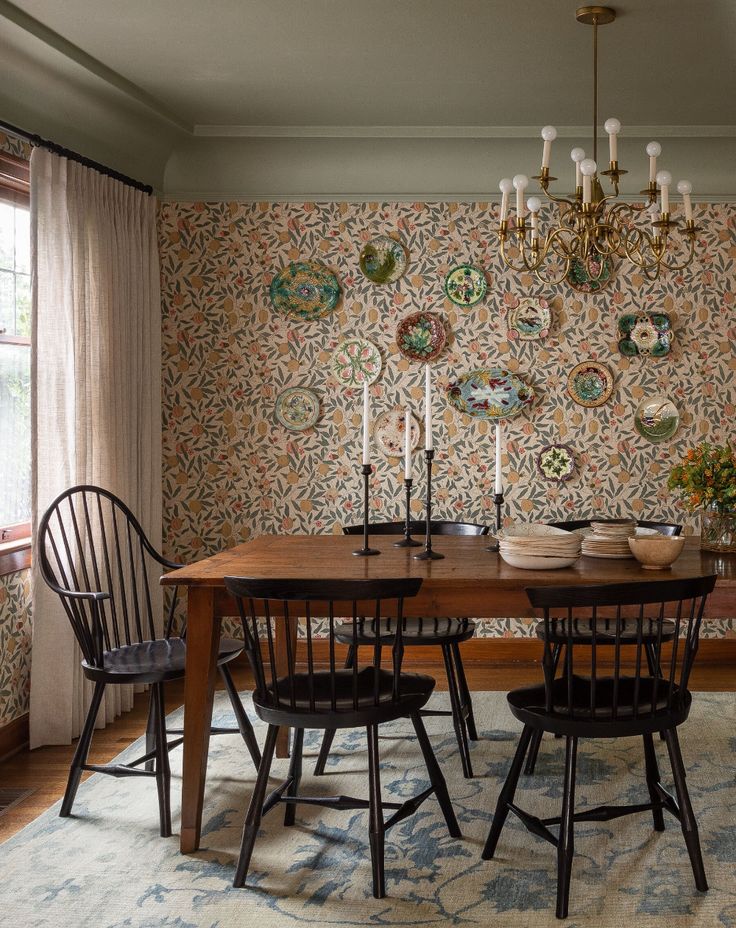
pixel 15 350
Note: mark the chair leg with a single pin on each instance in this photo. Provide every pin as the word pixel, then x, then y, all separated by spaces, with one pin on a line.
pixel 436 777
pixel 531 760
pixel 295 775
pixel 82 751
pixel 566 843
pixel 506 796
pixel 151 730
pixel 329 735
pixel 241 716
pixel 255 808
pixel 467 702
pixel 458 720
pixel 375 811
pixel 163 770
pixel 687 816
pixel 652 770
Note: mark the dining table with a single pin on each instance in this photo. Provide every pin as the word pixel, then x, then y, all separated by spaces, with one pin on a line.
pixel 469 581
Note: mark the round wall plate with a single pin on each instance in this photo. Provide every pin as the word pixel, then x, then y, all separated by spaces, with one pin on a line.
pixel 590 384
pixel 297 408
pixel 656 417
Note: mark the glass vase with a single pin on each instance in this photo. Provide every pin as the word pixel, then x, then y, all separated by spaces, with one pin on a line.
pixel 718 530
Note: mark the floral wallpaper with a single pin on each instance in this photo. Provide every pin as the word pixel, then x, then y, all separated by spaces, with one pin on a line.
pixel 15 603
pixel 232 472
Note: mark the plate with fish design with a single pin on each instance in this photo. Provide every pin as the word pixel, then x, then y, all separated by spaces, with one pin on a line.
pixel 490 393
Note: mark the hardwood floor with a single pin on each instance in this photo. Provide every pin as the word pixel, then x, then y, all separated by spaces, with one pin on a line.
pixel 45 769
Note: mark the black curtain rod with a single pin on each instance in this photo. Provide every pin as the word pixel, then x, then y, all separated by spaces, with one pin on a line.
pixel 39 142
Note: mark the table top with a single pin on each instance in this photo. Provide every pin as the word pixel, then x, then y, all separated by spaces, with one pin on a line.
pixel 466 563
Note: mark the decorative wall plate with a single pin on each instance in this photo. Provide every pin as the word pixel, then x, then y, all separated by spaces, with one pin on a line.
pixel 656 417
pixel 356 361
pixel 590 384
pixel 388 432
pixel 305 290
pixel 590 276
pixel 492 393
pixel 297 408
pixel 465 285
pixel 383 260
pixel 421 336
pixel 556 463
pixel 530 320
pixel 645 333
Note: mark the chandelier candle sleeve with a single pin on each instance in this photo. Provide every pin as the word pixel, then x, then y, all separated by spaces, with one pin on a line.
pixel 366 426
pixel 654 150
pixel 520 182
pixel 427 409
pixel 685 188
pixel 578 155
pixel 612 127
pixel 588 167
pixel 505 186
pixel 664 179
pixel 407 444
pixel 534 204
pixel 549 134
pixel 498 488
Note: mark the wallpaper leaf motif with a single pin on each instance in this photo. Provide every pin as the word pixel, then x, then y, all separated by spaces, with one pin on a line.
pixel 232 472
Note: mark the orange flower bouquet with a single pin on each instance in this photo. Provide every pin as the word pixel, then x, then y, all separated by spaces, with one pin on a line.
pixel 706 480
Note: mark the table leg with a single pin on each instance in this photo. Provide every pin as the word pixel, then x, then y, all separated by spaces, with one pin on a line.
pixel 203 641
pixel 284 629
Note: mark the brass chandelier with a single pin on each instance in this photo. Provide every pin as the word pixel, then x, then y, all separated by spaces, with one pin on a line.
pixel 593 227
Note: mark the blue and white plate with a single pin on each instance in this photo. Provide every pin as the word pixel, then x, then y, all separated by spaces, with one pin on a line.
pixel 492 393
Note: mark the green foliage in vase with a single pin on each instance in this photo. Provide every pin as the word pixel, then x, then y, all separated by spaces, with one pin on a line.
pixel 706 477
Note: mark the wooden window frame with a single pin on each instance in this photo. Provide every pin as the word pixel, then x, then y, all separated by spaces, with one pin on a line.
pixel 15 187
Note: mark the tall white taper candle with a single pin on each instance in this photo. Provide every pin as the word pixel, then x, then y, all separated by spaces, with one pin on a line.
pixel 498 486
pixel 366 425
pixel 427 409
pixel 407 444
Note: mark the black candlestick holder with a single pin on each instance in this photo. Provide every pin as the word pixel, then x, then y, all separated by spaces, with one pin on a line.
pixel 407 541
pixel 365 551
pixel 428 554
pixel 498 503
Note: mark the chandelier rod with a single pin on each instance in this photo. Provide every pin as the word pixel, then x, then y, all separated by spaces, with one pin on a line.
pixel 595 88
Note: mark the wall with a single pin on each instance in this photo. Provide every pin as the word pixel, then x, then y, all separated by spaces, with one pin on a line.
pixel 231 472
pixel 15 603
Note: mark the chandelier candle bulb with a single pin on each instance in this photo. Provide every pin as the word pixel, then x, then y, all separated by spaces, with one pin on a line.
pixel 505 186
pixel 520 182
pixel 685 188
pixel 427 409
pixel 366 426
pixel 549 134
pixel 664 179
pixel 613 127
pixel 407 444
pixel 654 150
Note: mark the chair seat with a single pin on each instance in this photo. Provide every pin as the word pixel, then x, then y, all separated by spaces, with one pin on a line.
pixel 152 661
pixel 416 631
pixel 528 705
pixel 582 631
pixel 414 689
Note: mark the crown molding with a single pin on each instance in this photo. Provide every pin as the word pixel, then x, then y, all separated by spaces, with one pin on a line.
pixel 448 132
pixel 90 64
pixel 187 196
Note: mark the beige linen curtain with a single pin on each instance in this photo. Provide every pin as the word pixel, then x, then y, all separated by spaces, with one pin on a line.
pixel 95 393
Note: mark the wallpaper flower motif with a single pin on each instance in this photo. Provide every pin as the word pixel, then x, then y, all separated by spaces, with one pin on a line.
pixel 231 472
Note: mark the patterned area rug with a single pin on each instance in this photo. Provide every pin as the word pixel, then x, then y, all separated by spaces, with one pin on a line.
pixel 108 868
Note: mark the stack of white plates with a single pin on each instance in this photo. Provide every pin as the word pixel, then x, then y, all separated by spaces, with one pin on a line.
pixel 610 539
pixel 538 547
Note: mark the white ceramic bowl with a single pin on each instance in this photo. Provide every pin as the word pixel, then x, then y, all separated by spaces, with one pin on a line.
pixel 535 561
pixel 657 552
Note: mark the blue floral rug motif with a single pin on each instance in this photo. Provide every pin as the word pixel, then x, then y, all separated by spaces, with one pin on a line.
pixel 107 867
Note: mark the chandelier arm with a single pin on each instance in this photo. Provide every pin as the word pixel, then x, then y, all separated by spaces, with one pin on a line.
pixel 680 267
pixel 507 261
pixel 554 198
pixel 556 280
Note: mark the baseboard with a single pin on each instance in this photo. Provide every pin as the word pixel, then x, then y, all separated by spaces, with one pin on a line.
pixel 13 737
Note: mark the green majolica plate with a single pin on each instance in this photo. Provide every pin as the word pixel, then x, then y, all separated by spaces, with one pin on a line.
pixel 305 290
pixel 466 285
pixel 556 463
pixel 421 336
pixel 383 260
pixel 656 417
pixel 645 333
pixel 590 275
pixel 590 384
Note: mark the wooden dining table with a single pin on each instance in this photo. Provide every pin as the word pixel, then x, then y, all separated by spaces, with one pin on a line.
pixel 469 581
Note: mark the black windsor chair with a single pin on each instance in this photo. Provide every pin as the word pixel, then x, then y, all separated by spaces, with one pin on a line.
pixel 303 697
pixel 444 633
pixel 627 633
pixel 582 703
pixel 95 555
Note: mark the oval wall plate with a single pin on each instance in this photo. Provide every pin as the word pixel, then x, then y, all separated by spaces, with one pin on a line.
pixel 490 393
